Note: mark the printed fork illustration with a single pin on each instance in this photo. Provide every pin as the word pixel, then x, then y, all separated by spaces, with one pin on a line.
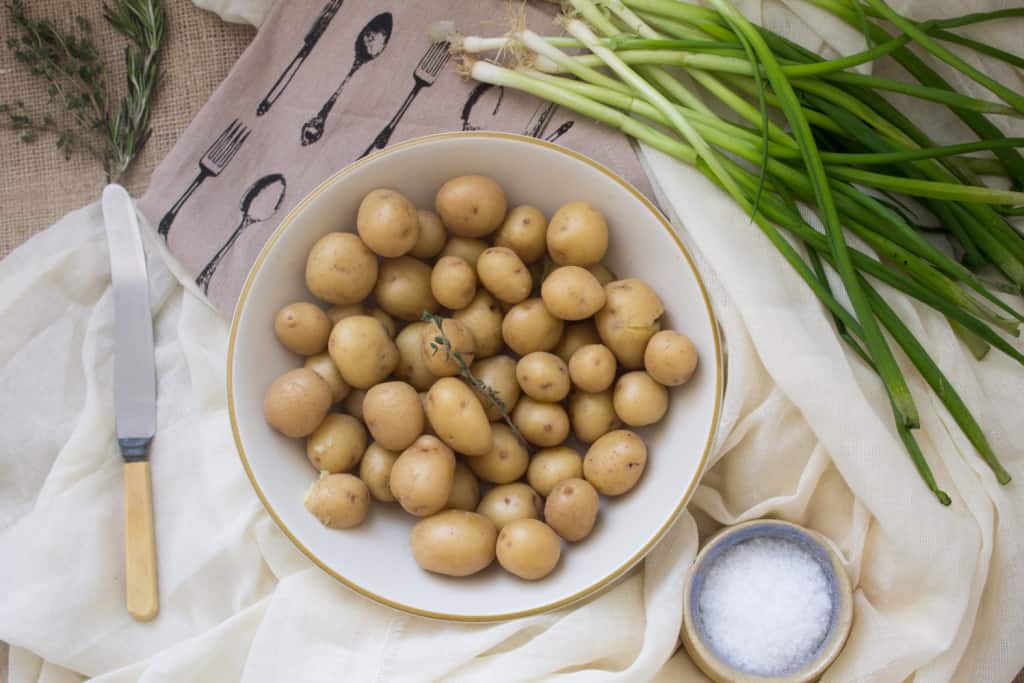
pixel 423 75
pixel 216 159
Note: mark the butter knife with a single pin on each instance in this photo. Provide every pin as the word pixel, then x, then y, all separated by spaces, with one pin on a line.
pixel 134 396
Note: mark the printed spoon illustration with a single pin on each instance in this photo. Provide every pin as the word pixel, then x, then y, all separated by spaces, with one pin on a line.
pixel 475 96
pixel 370 42
pixel 260 202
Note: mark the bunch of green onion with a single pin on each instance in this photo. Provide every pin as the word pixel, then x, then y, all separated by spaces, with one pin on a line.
pixel 647 67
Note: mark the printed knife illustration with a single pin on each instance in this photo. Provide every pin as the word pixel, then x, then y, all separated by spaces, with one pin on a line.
pixel 323 20
pixel 424 75
pixel 370 42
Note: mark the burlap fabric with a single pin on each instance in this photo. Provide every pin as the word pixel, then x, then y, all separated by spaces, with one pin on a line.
pixel 37 186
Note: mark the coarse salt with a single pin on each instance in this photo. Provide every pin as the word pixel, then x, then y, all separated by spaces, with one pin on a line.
pixel 765 606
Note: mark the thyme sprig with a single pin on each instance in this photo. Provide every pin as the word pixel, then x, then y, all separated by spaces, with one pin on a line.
pixel 441 341
pixel 112 132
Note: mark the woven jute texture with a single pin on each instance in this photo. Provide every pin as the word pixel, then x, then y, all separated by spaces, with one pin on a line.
pixel 37 186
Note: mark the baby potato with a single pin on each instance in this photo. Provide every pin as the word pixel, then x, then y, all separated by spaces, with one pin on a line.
pixel 543 376
pixel 592 367
pixel 302 328
pixel 393 414
pixel 458 418
pixel 571 509
pixel 504 275
pixel 467 249
pixel 575 336
pixel 529 327
pixel 296 402
pixel 341 269
pixel 471 205
pixel 454 543
pixel 592 415
pixel 528 548
pixel 339 501
pixel 337 444
pixel 483 317
pixel 628 320
pixel 614 463
pixel 322 365
pixel 353 404
pixel 361 349
pixel 670 358
pixel 507 503
pixel 550 466
pixel 465 493
pixel 453 282
pixel 387 222
pixel 542 424
pixel 577 235
pixel 499 373
pixel 639 400
pixel 436 356
pixel 572 293
pixel 505 462
pixel 422 476
pixel 601 273
pixel 427 427
pixel 432 235
pixel 524 231
pixel 375 471
pixel 403 288
pixel 385 320
pixel 338 313
pixel 412 366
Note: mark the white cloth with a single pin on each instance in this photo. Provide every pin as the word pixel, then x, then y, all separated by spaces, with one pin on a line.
pixel 806 436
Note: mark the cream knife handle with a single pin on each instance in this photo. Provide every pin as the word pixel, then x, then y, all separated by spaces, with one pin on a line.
pixel 139 543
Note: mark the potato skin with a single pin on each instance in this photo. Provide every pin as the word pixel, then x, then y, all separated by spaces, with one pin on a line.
pixel 353 403
pixel 387 223
pixel 454 543
pixel 592 367
pixel 542 424
pixel 499 373
pixel 432 235
pixel 529 326
pixel 341 269
pixel 504 275
pixel 322 365
pixel 528 548
pixel 630 317
pixel 375 471
pixel 602 273
pixel 338 313
pixel 572 293
pixel 296 402
pixel 302 328
pixel 543 376
pixel 453 282
pixel 615 462
pixel 465 493
pixel 507 503
pixel 465 248
pixel 422 477
pixel 337 444
pixel 505 462
pixel 571 509
pixel 339 501
pixel 524 231
pixel 670 358
pixel 362 350
pixel 458 418
pixel 639 400
pixel 393 414
pixel 412 366
pixel 436 356
pixel 483 317
pixel 403 288
pixel 577 235
pixel 575 336
pixel 385 320
pixel 549 466
pixel 471 205
pixel 592 414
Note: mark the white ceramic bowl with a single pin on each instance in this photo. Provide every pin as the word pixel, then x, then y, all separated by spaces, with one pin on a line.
pixel 374 559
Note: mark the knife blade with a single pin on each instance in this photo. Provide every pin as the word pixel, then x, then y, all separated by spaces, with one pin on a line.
pixel 134 395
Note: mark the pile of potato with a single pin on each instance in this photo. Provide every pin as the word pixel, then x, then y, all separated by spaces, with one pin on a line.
pixel 540 323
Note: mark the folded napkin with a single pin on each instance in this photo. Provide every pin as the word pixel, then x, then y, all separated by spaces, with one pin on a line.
pixel 326 82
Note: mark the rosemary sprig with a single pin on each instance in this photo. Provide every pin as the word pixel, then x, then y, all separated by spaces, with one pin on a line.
pixel 75 76
pixel 443 342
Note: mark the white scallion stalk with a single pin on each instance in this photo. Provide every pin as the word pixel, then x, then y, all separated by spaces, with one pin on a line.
pixel 542 48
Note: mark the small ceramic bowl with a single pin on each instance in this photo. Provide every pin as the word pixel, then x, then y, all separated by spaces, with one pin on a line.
pixel 693 634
